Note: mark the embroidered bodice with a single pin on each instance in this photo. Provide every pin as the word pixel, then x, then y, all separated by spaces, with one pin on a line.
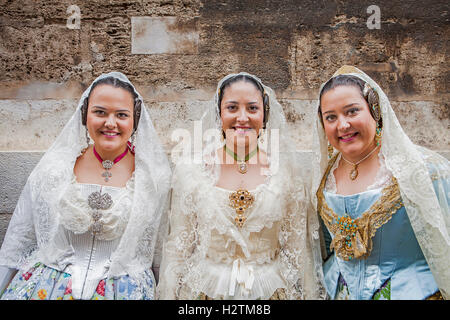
pixel 208 253
pixel 394 253
pixel 250 252
pixel 78 250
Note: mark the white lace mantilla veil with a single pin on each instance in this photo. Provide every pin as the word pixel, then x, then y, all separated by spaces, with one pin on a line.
pixel 429 215
pixel 302 266
pixel 35 219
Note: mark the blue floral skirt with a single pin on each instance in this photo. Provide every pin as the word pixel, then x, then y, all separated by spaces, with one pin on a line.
pixel 45 283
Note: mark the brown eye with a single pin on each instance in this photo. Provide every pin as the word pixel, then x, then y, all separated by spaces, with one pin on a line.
pixel 353 111
pixel 330 117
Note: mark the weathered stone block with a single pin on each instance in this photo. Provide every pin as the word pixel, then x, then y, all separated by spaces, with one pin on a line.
pixel 15 168
pixel 32 124
pixel 156 35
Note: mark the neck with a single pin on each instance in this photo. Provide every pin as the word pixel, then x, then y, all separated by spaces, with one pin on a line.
pixel 110 154
pixel 234 153
pixel 364 157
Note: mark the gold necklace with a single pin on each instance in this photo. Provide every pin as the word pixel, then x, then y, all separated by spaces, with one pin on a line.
pixel 242 163
pixel 354 172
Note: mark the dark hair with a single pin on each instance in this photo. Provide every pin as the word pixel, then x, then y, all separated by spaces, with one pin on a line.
pixel 371 96
pixel 257 84
pixel 118 84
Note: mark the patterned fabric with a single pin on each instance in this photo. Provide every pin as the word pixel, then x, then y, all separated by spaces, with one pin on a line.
pixel 279 294
pixel 384 293
pixel 44 283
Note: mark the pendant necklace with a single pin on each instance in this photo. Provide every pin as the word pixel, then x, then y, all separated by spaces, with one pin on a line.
pixel 242 163
pixel 107 164
pixel 102 201
pixel 240 201
pixel 354 172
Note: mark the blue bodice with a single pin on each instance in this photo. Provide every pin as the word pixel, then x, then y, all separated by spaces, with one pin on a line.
pixel 395 255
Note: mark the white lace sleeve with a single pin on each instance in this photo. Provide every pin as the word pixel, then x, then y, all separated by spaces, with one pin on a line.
pixel 20 239
pixel 300 255
pixel 182 236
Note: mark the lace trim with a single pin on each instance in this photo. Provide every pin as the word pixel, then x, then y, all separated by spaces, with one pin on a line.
pixel 261 214
pixel 353 237
pixel 203 229
pixel 76 215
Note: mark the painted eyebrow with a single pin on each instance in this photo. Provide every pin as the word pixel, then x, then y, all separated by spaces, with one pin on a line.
pixel 345 107
pixel 251 102
pixel 103 108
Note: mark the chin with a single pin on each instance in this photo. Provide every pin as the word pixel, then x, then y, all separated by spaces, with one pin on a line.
pixel 244 141
pixel 111 146
pixel 353 150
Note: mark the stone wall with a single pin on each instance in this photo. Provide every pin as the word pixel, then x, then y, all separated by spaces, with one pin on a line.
pixel 175 51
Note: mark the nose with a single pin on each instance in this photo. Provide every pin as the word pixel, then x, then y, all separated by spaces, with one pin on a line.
pixel 110 121
pixel 343 124
pixel 242 115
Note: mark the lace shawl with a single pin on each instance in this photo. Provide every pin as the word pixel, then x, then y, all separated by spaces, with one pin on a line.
pixel 415 168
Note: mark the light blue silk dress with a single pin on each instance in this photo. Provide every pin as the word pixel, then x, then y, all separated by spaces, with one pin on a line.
pixel 396 259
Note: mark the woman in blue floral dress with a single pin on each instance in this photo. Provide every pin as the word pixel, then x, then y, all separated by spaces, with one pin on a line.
pixel 86 224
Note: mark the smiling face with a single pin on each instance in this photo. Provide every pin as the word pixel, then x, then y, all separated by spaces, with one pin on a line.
pixel 110 118
pixel 242 114
pixel 348 124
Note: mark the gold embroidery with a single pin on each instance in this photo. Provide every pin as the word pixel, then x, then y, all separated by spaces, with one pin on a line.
pixel 436 296
pixel 353 237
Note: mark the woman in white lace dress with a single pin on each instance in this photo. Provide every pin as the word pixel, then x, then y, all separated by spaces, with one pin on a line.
pixel 383 200
pixel 87 220
pixel 241 221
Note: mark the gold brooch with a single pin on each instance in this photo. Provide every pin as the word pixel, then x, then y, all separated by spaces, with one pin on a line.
pixel 240 201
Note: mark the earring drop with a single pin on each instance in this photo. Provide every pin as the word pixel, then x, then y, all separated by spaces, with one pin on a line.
pixel 378 134
pixel 330 151
pixel 131 143
pixel 88 140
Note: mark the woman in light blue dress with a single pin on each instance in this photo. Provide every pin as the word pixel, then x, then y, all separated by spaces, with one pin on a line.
pixel 383 201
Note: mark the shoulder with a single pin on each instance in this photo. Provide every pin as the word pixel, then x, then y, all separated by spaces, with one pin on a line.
pixel 187 173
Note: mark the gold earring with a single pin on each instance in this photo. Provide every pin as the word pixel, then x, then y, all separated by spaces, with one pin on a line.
pixel 330 151
pixel 378 134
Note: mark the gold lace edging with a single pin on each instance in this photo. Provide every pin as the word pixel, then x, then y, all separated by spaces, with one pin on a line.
pixel 353 237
